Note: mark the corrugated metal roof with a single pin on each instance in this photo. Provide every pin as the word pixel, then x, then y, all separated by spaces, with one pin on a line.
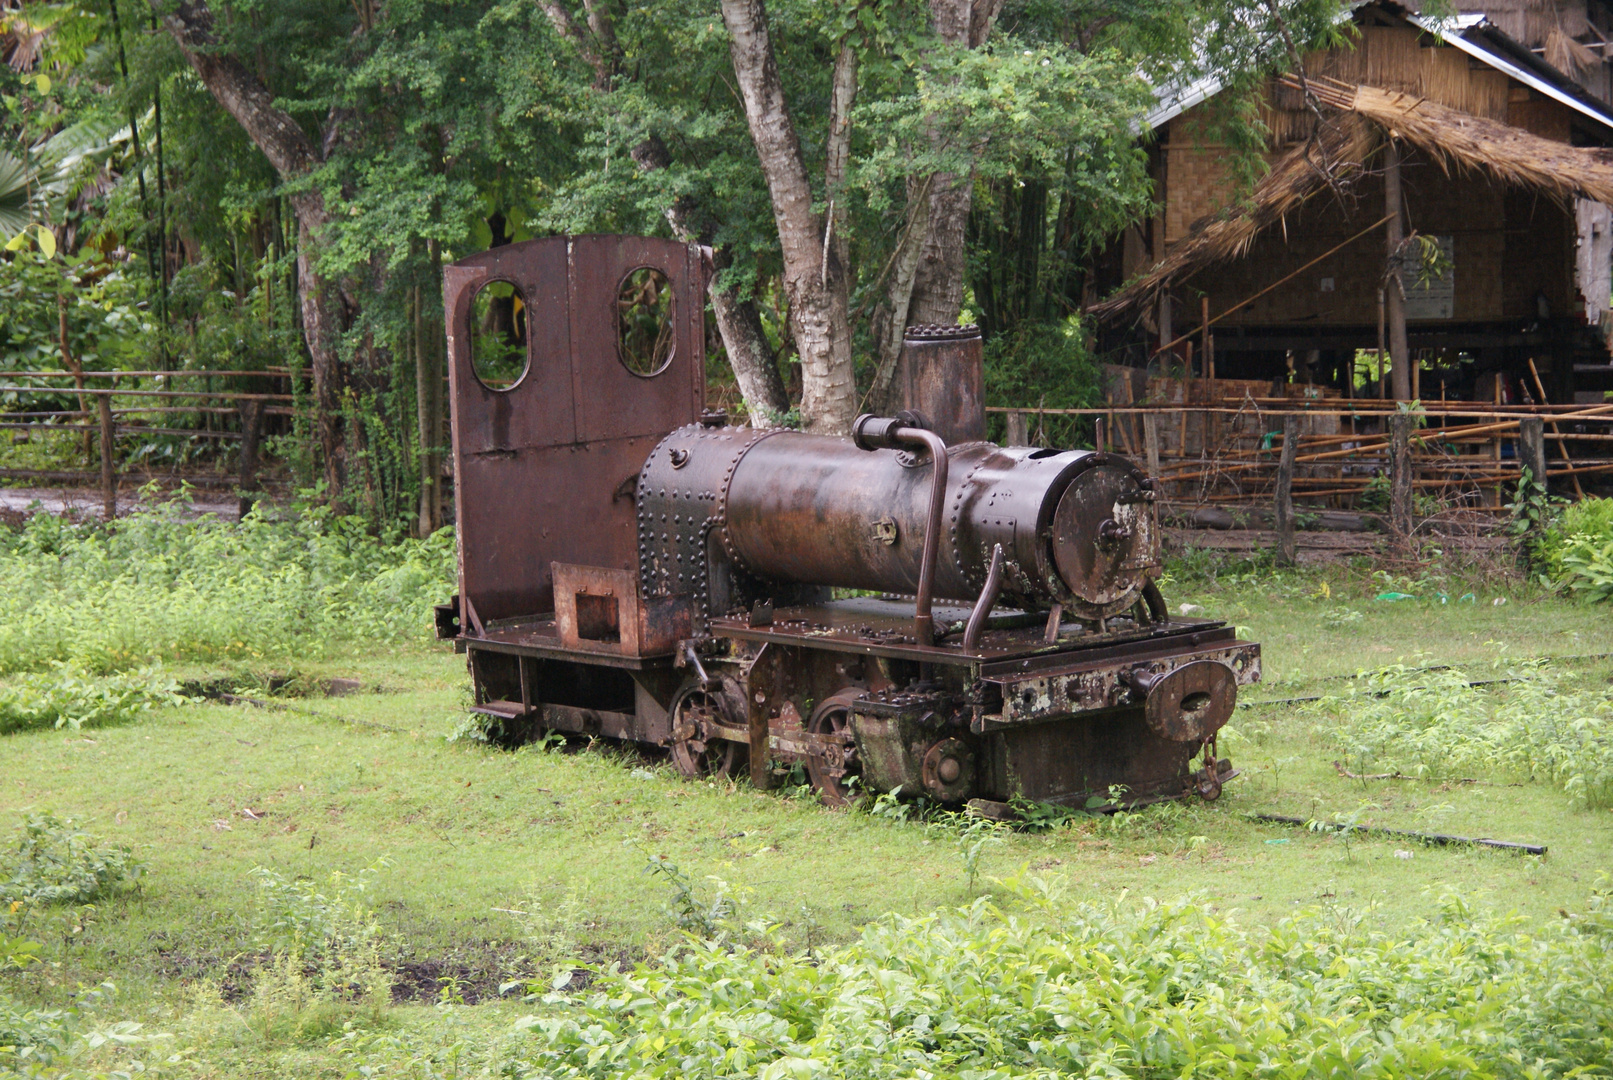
pixel 1469 33
pixel 1472 34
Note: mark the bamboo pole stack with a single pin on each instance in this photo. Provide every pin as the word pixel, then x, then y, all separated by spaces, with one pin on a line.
pixel 1462 458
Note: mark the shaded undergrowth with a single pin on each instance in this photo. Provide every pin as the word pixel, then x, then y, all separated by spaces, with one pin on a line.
pixel 155 587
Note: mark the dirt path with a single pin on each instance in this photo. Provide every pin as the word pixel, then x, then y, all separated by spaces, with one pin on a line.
pixel 17 504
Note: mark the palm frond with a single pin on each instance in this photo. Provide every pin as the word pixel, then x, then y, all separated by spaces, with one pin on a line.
pixel 18 194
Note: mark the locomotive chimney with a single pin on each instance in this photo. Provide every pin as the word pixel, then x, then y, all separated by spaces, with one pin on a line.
pixel 940 376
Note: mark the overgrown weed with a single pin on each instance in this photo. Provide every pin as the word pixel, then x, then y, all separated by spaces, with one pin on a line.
pixel 1430 722
pixel 326 967
pixel 74 1042
pixel 1124 989
pixel 155 587
pixel 52 875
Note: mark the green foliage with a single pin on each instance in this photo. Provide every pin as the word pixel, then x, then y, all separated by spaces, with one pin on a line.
pixel 299 914
pixel 1045 364
pixel 976 835
pixel 1432 723
pixel 156 586
pixel 66 696
pixel 61 1043
pixel 1343 825
pixel 50 880
pixel 52 861
pixel 1532 512
pixel 1573 547
pixel 1587 517
pixel 705 913
pixel 1588 566
pixel 98 296
pixel 325 971
pixel 1376 497
pixel 1129 989
pixel 51 874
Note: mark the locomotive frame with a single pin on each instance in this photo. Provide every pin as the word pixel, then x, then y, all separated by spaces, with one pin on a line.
pixel 632 567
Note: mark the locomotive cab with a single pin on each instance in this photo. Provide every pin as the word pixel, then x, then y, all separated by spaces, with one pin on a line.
pixel 912 607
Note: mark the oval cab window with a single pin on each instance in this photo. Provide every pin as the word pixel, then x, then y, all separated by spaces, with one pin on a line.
pixel 498 328
pixel 644 332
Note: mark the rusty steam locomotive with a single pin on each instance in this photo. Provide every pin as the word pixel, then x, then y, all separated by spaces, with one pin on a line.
pixel 632 566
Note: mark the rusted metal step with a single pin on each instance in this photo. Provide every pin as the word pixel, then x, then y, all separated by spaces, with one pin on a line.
pixel 504 710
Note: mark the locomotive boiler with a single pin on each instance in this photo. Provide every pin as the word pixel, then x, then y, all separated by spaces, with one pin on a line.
pixel 908 608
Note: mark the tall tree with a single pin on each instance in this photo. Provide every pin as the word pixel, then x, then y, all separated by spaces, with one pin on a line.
pixel 744 340
pixel 937 286
pixel 815 277
pixel 294 157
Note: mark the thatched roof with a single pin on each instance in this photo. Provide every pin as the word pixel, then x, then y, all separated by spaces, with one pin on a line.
pixel 1348 140
pixel 1509 154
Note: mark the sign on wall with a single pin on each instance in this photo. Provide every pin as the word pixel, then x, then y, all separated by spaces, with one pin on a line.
pixel 1433 295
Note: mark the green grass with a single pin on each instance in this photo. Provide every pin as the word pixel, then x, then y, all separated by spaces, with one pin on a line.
pixel 503 864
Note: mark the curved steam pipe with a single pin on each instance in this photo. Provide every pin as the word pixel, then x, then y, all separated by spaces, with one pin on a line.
pixel 988 599
pixel 876 433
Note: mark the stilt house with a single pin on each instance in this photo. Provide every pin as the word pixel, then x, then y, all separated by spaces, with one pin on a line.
pixel 1504 164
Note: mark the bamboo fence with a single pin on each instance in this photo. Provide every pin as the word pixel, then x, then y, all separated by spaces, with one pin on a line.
pixel 1466 452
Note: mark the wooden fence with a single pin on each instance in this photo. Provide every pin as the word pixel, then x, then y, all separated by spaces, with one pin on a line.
pixel 1272 451
pixel 108 410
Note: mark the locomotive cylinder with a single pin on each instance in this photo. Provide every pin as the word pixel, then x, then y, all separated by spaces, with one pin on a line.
pixel 1077 528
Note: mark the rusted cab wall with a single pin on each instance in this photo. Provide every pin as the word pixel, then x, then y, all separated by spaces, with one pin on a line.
pixel 545 469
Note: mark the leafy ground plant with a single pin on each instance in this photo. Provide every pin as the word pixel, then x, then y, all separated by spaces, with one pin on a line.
pixel 1435 723
pixel 53 861
pixel 58 1042
pixel 157 586
pixel 67 696
pixel 1573 546
pixel 1128 989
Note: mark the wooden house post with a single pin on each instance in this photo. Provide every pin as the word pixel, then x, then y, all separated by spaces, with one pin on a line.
pixel 1532 446
pixel 1401 479
pixel 251 441
pixel 1395 301
pixel 109 475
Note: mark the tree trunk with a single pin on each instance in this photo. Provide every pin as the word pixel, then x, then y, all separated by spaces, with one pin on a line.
pixel 320 326
pixel 891 318
pixel 938 285
pixel 737 320
pixel 814 281
pixel 598 46
pixel 749 353
pixel 282 140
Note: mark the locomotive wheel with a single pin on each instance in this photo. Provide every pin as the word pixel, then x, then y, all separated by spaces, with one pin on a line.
pixel 833 717
pixel 697 751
